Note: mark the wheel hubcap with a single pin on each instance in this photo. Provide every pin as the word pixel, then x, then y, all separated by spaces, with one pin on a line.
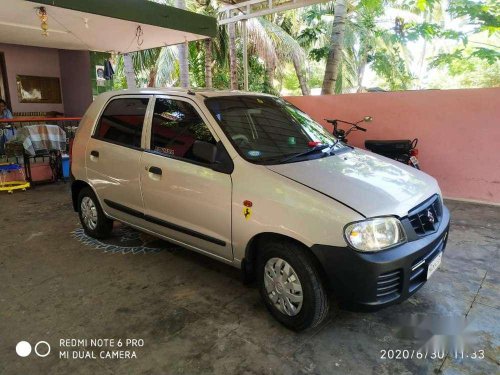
pixel 283 286
pixel 89 213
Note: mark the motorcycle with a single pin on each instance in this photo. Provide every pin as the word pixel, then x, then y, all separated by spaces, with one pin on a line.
pixel 403 150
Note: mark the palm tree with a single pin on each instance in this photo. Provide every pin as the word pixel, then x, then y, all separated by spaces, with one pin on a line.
pixel 267 39
pixel 364 43
pixel 233 65
pixel 183 53
pixel 166 68
pixel 208 63
pixel 282 39
pixel 128 70
pixel 275 46
pixel 218 54
pixel 291 24
pixel 301 76
pixel 365 30
pixel 315 37
pixel 215 49
pixel 336 46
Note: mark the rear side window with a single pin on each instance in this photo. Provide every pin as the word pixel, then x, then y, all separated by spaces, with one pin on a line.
pixel 122 122
pixel 176 126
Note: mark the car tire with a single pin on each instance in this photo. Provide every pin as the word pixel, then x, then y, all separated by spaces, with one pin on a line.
pixel 94 221
pixel 280 264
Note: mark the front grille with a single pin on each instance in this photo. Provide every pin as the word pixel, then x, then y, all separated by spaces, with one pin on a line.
pixel 389 285
pixel 425 218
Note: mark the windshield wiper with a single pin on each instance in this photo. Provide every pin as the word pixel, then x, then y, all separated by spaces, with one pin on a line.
pixel 305 153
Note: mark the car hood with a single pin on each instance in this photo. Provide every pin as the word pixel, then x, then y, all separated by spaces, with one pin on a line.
pixel 371 184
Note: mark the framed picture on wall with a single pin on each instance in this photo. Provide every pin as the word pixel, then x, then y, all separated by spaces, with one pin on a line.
pixel 99 72
pixel 99 75
pixel 35 89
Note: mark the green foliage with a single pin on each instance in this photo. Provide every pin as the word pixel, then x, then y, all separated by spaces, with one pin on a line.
pixel 119 80
pixel 197 64
pixel 304 35
pixel 424 5
pixel 489 55
pixel 389 65
pixel 290 82
pixel 430 31
pixel 447 59
pixel 469 73
pixel 167 67
pixel 258 80
pixel 318 54
pixel 463 55
pixel 374 7
pixel 146 59
pixel 484 14
pixel 316 76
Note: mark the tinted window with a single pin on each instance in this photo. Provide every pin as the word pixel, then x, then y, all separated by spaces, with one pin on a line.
pixel 122 120
pixel 176 126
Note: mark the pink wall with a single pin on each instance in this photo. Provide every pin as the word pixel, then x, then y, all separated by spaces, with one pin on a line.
pixel 34 61
pixel 76 83
pixel 458 132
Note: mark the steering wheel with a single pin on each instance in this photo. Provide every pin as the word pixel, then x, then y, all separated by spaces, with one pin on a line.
pixel 241 139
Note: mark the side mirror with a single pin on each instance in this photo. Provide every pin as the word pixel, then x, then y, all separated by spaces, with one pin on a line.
pixel 368 119
pixel 205 151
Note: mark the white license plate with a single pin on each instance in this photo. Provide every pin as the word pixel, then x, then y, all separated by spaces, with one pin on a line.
pixel 414 160
pixel 434 265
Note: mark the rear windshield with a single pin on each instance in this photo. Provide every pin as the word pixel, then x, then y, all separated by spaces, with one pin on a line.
pixel 267 129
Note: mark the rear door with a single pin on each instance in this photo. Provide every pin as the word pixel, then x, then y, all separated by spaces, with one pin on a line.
pixel 114 155
pixel 185 199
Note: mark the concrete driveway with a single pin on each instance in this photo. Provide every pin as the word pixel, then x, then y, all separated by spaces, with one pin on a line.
pixel 195 316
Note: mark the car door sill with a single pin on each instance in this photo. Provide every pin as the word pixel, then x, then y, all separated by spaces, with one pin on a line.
pixel 163 223
pixel 174 241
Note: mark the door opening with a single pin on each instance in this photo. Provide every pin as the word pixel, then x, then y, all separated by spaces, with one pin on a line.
pixel 4 85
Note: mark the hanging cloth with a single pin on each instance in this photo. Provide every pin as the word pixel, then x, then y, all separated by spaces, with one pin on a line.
pixel 108 70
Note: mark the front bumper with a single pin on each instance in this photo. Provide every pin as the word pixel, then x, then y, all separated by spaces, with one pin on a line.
pixel 375 280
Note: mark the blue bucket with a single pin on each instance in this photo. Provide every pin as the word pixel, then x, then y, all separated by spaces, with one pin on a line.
pixel 65 165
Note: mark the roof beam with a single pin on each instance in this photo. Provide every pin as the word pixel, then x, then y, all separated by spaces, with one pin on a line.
pixel 142 11
pixel 257 8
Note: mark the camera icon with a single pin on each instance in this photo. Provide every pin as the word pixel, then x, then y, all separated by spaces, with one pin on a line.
pixel 42 349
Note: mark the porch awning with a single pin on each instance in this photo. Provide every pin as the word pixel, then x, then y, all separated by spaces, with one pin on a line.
pixel 101 25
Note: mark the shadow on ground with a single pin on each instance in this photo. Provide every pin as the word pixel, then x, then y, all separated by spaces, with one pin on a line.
pixel 196 317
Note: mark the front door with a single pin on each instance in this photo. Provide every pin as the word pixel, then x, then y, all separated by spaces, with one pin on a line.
pixel 114 155
pixel 184 198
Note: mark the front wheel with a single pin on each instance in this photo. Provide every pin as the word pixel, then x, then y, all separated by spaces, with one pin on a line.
pixel 94 221
pixel 291 286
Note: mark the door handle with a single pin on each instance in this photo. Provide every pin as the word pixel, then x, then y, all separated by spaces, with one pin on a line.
pixel 155 170
pixel 94 153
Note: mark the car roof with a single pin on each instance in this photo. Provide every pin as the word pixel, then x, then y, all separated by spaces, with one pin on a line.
pixel 207 93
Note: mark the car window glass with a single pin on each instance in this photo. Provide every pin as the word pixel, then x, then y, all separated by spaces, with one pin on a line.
pixel 176 125
pixel 263 128
pixel 122 121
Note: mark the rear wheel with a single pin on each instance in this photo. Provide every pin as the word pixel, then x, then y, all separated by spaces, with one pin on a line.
pixel 291 286
pixel 93 220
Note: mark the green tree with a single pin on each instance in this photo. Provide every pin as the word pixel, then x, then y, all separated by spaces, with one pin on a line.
pixel 276 47
pixel 483 16
pixel 336 44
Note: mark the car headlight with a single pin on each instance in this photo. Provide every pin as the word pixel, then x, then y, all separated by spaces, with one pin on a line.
pixel 375 234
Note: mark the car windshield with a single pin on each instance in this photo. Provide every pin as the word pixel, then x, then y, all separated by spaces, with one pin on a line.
pixel 266 129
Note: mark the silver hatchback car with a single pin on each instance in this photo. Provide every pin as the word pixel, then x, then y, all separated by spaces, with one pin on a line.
pixel 250 180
